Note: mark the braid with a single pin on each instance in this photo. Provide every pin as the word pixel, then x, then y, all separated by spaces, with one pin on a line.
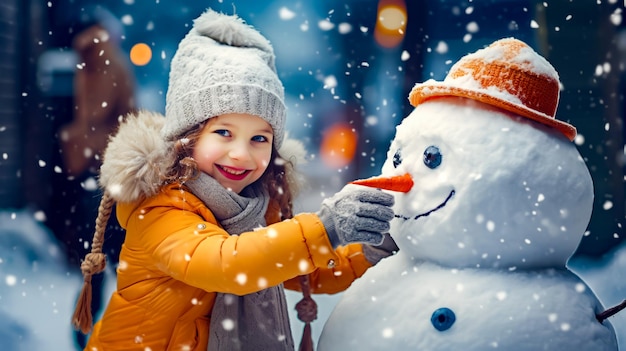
pixel 94 263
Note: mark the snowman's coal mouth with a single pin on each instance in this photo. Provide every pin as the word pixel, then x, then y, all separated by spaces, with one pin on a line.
pixel 431 211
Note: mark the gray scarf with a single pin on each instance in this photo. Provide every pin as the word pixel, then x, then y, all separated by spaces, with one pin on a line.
pixel 257 321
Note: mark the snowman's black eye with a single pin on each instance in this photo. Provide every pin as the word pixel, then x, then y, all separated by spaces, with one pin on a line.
pixel 432 157
pixel 397 159
pixel 443 318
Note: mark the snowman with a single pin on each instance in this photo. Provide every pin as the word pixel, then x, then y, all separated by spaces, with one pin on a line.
pixel 491 200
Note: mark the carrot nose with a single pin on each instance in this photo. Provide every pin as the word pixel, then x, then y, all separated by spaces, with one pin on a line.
pixel 402 183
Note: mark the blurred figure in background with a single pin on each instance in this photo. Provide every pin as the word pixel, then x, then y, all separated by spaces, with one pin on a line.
pixel 104 93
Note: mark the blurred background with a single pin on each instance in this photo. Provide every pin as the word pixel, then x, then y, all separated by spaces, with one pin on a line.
pixel 347 66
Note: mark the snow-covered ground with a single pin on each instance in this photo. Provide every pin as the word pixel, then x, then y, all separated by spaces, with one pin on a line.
pixel 37 292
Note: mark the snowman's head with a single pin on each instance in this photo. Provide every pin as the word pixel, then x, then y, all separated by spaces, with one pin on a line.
pixel 491 189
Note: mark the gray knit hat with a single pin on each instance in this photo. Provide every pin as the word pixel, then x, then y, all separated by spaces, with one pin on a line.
pixel 223 66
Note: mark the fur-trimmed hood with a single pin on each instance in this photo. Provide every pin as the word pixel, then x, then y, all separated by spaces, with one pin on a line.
pixel 137 157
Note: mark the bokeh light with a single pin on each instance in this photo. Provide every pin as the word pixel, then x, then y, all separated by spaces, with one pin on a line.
pixel 392 18
pixel 390 23
pixel 140 54
pixel 338 145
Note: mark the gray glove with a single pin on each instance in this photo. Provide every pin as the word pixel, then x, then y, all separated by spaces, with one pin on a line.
pixel 357 214
pixel 376 253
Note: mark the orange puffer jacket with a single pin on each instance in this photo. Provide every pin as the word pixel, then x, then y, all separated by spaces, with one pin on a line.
pixel 176 256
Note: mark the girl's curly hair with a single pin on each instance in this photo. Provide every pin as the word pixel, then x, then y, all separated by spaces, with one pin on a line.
pixel 279 179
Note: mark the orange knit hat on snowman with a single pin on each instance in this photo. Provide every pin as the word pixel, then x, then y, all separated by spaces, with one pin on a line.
pixel 507 74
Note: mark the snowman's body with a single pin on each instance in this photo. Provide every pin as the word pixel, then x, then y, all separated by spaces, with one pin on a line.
pixel 402 304
pixel 498 206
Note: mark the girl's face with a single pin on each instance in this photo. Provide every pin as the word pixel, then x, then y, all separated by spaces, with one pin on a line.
pixel 235 149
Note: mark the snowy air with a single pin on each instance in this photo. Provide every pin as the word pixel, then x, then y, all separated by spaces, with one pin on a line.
pixel 497 127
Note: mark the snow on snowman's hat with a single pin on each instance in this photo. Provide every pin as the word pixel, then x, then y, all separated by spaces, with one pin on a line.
pixel 508 74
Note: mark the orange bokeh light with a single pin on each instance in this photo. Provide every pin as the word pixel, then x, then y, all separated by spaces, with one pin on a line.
pixel 338 145
pixel 140 54
pixel 391 23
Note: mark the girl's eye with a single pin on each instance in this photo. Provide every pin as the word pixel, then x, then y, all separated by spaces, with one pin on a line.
pixel 259 139
pixel 432 157
pixel 222 132
pixel 397 159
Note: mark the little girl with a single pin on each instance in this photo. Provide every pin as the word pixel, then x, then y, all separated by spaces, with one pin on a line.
pixel 205 195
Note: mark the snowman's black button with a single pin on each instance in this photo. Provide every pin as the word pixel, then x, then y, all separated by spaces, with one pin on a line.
pixel 443 318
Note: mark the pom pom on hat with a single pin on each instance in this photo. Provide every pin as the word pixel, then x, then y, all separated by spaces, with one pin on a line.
pixel 223 66
pixel 507 74
pixel 231 30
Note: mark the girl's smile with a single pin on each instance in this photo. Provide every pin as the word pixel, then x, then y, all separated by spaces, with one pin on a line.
pixel 232 173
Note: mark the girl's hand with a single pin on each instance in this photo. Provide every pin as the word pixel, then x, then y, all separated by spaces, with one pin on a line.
pixel 357 214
